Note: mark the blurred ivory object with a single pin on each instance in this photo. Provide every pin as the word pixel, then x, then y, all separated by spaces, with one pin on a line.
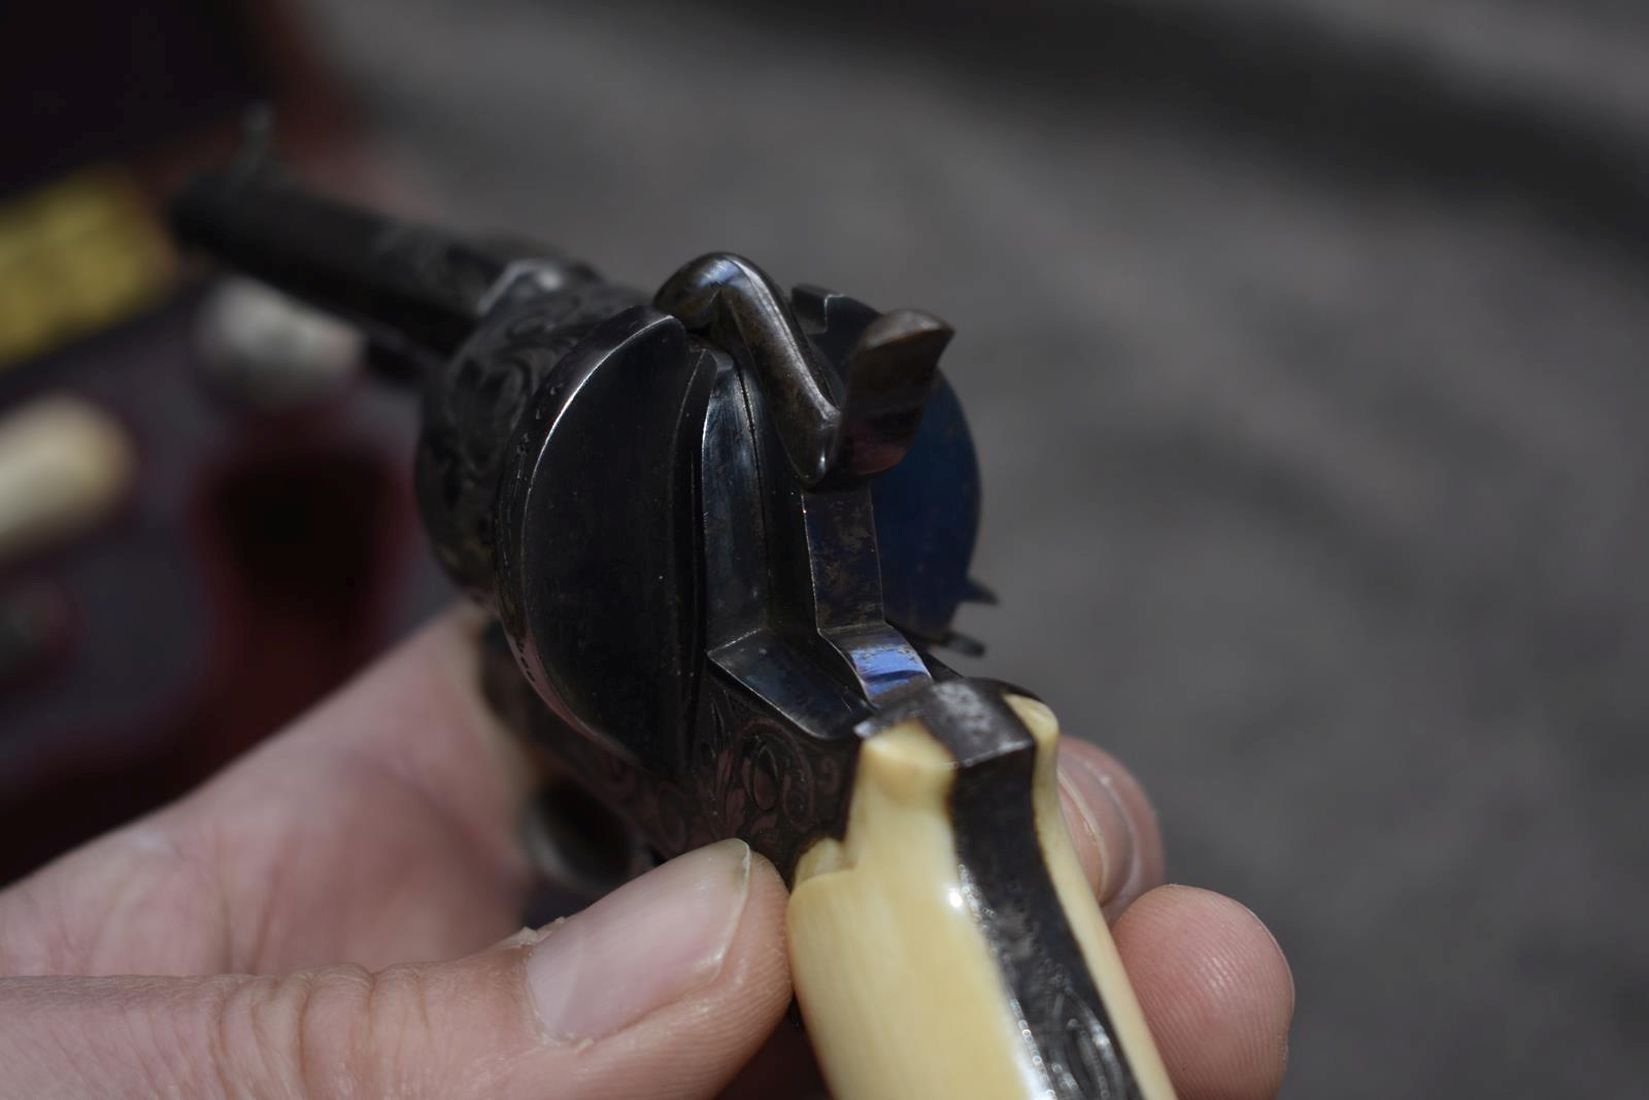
pixel 65 465
pixel 267 351
pixel 888 901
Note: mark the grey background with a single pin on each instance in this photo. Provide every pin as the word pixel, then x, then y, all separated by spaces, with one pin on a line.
pixel 1304 344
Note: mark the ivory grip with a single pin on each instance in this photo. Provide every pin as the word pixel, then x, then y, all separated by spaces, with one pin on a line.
pixel 899 960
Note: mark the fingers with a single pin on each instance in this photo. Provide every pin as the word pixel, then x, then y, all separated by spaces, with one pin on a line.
pixel 416 718
pixel 662 989
pixel 1216 991
pixel 1215 987
pixel 1112 825
pixel 380 827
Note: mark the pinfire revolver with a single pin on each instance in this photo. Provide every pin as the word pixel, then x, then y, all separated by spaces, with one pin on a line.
pixel 723 528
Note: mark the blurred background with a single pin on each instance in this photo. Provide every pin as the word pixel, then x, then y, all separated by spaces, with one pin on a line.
pixel 1303 340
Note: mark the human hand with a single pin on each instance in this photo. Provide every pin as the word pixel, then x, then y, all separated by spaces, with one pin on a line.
pixel 284 916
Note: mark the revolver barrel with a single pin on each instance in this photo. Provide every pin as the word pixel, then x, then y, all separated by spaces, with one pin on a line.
pixel 414 289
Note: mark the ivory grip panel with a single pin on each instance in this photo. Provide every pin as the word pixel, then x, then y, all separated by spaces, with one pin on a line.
pixel 926 969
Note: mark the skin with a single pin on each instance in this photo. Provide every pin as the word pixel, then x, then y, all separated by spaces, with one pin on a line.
pixel 335 915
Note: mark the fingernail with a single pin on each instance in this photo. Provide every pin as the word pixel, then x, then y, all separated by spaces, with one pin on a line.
pixel 642 947
pixel 1101 813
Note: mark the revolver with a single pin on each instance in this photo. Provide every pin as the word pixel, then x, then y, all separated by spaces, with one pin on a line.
pixel 724 528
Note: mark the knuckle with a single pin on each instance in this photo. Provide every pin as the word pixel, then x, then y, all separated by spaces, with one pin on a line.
pixel 314 1035
pixel 327 1014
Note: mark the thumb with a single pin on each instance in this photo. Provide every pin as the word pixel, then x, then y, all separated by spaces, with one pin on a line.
pixel 662 989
